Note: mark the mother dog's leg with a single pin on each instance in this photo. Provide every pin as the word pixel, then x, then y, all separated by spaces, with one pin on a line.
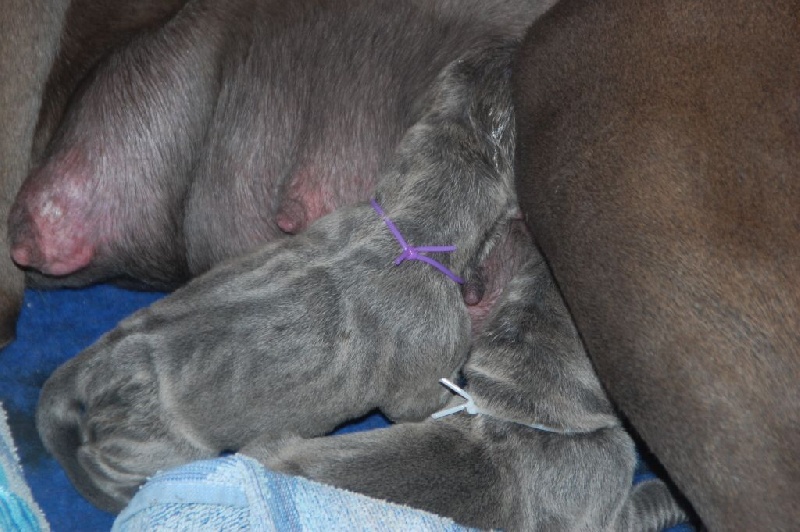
pixel 29 37
pixel 659 166
pixel 310 331
pixel 508 466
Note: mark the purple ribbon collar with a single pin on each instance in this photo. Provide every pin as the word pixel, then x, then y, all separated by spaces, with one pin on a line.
pixel 415 253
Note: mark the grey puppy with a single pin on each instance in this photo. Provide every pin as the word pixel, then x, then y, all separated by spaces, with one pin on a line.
pixel 308 332
pixel 315 330
pixel 544 450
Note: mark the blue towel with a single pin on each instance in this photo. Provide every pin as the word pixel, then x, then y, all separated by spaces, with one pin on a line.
pixel 237 493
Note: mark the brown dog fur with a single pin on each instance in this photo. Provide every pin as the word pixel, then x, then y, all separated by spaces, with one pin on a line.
pixel 658 166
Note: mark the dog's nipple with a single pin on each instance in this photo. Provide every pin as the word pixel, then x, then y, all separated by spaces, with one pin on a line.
pixel 473 291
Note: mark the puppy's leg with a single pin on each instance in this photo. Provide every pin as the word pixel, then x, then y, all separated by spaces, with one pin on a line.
pixel 308 332
pixel 650 506
pixel 435 466
pixel 531 366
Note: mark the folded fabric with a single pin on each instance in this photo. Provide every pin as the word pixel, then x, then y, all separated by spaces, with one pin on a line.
pixel 18 511
pixel 237 493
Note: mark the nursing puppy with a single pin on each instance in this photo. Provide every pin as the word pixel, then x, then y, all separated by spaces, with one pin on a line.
pixel 545 452
pixel 323 328
pixel 659 168
pixel 307 332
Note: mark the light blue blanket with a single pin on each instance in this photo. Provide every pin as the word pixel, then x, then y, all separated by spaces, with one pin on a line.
pixel 18 511
pixel 236 493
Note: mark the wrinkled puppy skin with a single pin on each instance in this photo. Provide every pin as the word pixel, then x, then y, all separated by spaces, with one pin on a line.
pixel 492 471
pixel 308 332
